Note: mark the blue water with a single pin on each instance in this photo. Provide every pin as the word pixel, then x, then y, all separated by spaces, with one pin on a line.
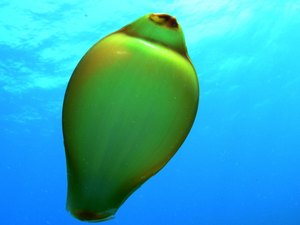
pixel 240 165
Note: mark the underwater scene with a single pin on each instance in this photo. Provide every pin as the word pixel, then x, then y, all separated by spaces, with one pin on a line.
pixel 150 112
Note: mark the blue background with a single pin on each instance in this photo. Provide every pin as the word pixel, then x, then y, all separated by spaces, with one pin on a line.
pixel 240 164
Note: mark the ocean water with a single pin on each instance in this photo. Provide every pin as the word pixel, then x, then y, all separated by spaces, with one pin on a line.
pixel 240 165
